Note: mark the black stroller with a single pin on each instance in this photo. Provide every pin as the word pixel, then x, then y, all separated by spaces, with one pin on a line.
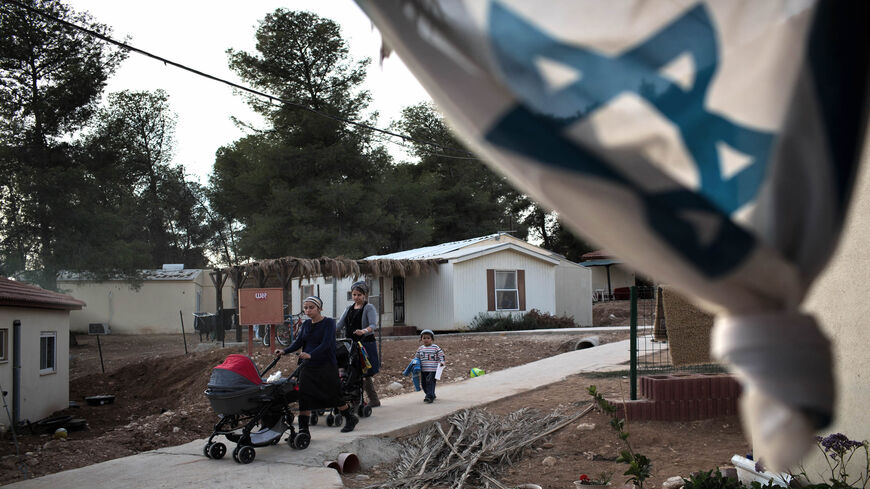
pixel 243 401
pixel 350 372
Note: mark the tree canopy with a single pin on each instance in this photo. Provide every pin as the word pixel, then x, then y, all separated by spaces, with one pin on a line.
pixel 304 187
pixel 95 188
pixel 53 77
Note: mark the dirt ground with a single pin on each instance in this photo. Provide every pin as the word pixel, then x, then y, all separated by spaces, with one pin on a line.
pixel 159 402
pixel 676 449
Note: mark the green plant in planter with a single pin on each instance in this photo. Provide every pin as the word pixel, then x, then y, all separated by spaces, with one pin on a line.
pixel 639 466
pixel 711 480
pixel 839 451
pixel 603 479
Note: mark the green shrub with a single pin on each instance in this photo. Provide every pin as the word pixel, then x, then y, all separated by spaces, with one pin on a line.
pixel 533 319
pixel 711 480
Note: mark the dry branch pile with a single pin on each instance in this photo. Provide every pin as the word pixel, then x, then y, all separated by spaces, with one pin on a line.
pixel 473 449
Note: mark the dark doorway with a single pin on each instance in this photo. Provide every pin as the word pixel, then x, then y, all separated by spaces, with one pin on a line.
pixel 398 300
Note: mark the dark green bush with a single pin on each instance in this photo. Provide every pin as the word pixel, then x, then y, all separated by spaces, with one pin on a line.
pixel 533 319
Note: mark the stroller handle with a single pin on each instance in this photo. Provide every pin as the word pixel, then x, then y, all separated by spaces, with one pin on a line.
pixel 275 361
pixel 269 367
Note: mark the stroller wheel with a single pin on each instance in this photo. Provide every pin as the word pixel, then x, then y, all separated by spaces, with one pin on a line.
pixel 313 420
pixel 359 411
pixel 206 450
pixel 217 450
pixel 301 441
pixel 366 411
pixel 244 454
pixel 329 419
pixel 338 420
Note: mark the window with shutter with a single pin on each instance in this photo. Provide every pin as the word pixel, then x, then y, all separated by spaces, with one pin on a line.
pixel 507 296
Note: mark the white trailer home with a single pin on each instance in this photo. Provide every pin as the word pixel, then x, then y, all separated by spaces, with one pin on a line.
pixel 497 273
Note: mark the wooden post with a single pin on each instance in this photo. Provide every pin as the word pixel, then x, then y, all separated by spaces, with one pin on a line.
pixel 218 279
pixel 100 349
pixel 181 316
pixel 238 276
pixel 250 340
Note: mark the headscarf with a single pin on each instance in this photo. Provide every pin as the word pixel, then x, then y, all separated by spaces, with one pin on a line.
pixel 317 301
pixel 360 286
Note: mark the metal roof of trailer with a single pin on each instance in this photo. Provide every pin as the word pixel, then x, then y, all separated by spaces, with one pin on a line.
pixel 180 275
pixel 435 251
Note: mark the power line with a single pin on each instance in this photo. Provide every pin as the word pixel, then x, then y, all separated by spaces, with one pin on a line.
pixel 258 93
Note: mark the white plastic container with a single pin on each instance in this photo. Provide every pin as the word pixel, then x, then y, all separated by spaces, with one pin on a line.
pixel 746 473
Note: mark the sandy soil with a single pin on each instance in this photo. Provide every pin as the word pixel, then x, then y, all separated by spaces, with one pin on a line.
pixel 159 402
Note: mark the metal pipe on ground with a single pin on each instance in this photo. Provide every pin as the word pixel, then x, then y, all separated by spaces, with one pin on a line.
pixel 16 372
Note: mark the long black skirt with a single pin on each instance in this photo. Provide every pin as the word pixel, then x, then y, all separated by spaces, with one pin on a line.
pixel 319 387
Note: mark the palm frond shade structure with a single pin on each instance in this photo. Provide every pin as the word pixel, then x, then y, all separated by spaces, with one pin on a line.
pixel 288 268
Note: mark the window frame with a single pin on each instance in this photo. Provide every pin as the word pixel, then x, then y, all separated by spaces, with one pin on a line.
pixel 4 345
pixel 515 290
pixel 303 288
pixel 53 368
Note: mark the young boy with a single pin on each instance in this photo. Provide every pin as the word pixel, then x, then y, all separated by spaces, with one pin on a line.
pixel 431 357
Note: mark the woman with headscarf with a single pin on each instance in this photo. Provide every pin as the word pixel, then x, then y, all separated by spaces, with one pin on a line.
pixel 359 322
pixel 319 386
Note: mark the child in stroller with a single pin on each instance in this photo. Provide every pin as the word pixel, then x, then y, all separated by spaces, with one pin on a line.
pixel 242 400
pixel 351 367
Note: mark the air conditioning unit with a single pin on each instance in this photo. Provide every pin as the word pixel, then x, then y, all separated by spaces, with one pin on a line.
pixel 98 328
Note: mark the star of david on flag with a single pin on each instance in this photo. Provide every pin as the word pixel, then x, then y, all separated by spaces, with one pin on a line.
pixel 710 145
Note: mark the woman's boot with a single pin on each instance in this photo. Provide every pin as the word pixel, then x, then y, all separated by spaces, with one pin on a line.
pixel 369 387
pixel 350 420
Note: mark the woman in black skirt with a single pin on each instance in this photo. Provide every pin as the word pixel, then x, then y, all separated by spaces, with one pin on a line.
pixel 319 386
pixel 359 322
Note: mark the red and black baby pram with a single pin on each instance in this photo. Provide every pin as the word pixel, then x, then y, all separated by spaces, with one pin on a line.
pixel 243 401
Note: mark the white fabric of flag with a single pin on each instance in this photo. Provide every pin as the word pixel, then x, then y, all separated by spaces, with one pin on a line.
pixel 711 145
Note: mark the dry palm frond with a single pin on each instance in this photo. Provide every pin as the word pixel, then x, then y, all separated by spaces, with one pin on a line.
pixel 289 267
pixel 473 450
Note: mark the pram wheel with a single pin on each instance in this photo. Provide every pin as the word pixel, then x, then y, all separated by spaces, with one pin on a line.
pixel 301 441
pixel 329 419
pixel 244 454
pixel 215 450
pixel 313 419
pixel 338 419
pixel 366 411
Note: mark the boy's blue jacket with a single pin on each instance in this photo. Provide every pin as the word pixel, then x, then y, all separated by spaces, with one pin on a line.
pixel 413 369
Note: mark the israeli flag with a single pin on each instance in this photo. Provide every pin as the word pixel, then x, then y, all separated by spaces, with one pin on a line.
pixel 711 145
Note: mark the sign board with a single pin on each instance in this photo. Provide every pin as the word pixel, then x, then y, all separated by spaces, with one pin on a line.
pixel 261 306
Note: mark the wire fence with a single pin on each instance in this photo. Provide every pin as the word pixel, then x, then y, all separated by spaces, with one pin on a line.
pixel 653 355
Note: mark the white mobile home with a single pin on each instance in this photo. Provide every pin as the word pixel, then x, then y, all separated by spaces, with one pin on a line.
pixel 496 273
pixel 147 307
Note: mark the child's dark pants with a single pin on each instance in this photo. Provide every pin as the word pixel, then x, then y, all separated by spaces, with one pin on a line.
pixel 428 381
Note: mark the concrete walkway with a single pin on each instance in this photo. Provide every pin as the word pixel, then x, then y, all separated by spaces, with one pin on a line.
pixel 280 466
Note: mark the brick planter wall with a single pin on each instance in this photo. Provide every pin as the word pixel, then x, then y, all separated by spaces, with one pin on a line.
pixel 682 397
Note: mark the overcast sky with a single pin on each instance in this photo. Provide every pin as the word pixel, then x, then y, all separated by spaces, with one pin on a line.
pixel 197 33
